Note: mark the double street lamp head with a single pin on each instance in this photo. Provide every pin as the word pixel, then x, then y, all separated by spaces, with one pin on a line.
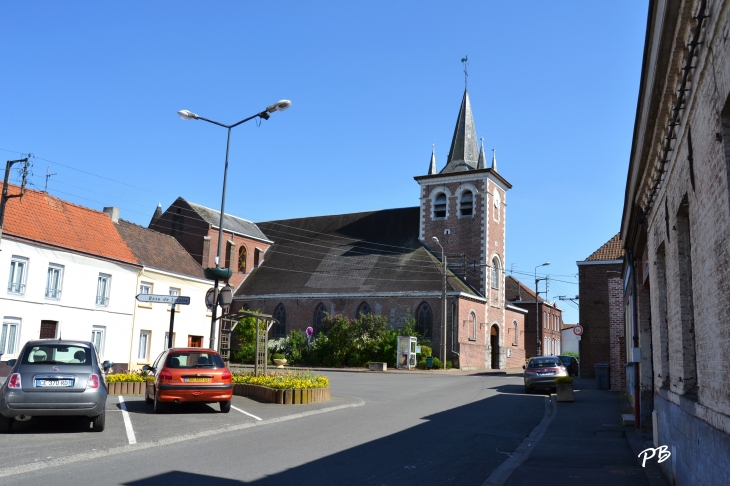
pixel 280 105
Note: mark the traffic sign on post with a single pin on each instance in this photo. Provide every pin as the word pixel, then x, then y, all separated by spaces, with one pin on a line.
pixel 578 330
pixel 164 299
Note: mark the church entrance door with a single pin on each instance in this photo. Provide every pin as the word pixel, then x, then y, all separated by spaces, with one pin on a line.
pixel 494 342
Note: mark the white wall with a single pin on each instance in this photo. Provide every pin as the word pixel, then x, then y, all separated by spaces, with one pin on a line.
pixel 568 341
pixel 76 310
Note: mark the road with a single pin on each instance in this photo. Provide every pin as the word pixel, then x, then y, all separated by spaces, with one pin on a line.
pixel 400 428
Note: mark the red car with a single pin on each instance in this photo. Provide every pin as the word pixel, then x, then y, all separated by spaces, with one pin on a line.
pixel 188 375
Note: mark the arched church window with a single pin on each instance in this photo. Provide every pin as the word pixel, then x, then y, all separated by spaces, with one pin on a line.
pixel 364 309
pixel 439 206
pixel 319 315
pixel 242 259
pixel 496 272
pixel 473 326
pixel 466 204
pixel 424 320
pixel 280 315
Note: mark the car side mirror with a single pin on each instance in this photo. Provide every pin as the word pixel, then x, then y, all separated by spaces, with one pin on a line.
pixel 107 365
pixel 147 368
pixel 11 362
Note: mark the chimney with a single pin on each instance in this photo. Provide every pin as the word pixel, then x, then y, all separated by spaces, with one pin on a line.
pixel 113 213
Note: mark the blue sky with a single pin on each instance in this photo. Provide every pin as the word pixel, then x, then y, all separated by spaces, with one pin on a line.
pixel 92 89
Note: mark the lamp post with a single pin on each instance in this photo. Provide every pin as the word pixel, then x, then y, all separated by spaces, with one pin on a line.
pixel 443 300
pixel 537 311
pixel 219 273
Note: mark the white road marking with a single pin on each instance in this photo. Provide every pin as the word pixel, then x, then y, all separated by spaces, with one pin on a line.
pixel 250 415
pixel 127 422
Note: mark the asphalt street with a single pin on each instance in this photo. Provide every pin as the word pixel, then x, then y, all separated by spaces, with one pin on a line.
pixel 404 428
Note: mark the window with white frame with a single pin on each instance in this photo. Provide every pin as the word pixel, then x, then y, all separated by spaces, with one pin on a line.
pixel 9 335
pixel 466 204
pixel 17 274
pixel 102 289
pixel 174 292
pixel 473 318
pixel 439 206
pixel 54 280
pixel 145 287
pixel 98 335
pixel 516 340
pixel 144 344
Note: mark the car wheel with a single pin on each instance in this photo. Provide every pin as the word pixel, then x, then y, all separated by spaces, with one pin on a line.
pixel 147 399
pixel 5 424
pixel 97 423
pixel 157 407
pixel 225 406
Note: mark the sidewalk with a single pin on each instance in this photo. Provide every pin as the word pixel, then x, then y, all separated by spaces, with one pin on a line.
pixel 586 444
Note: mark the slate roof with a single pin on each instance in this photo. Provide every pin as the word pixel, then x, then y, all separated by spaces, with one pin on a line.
pixel 156 250
pixel 369 252
pixel 464 152
pixel 41 217
pixel 611 250
pixel 230 222
pixel 515 291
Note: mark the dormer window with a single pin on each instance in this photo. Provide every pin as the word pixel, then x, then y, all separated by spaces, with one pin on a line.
pixel 466 204
pixel 439 206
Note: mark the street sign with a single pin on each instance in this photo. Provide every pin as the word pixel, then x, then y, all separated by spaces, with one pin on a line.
pixel 310 331
pixel 164 299
pixel 578 330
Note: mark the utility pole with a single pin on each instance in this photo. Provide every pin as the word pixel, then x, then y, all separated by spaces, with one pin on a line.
pixel 538 335
pixel 6 196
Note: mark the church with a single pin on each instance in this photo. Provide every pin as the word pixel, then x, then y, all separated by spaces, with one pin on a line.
pixel 390 263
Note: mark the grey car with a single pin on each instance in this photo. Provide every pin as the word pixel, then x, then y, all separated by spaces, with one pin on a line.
pixel 53 377
pixel 541 372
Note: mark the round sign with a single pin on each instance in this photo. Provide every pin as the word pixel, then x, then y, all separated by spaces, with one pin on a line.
pixel 310 331
pixel 578 330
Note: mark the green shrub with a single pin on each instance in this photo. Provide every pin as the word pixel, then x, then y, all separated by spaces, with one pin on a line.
pixel 426 351
pixel 449 365
pixel 563 380
pixel 421 364
pixel 287 380
pixel 575 355
pixel 437 365
pixel 278 356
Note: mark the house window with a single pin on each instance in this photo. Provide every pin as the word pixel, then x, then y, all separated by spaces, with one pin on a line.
pixel 516 341
pixel 145 288
pixel 280 315
pixel 53 282
pixel 364 309
pixel 174 292
pixel 495 272
pixel 167 336
pixel 98 333
pixel 242 259
pixel 661 285
pixel 473 319
pixel 144 344
pixel 466 205
pixel 439 206
pixel 9 336
pixel 102 289
pixel 16 278
pixel 319 316
pixel 688 374
pixel 424 320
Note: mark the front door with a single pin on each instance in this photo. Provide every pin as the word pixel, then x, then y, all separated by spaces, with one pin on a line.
pixel 195 341
pixel 494 342
pixel 48 329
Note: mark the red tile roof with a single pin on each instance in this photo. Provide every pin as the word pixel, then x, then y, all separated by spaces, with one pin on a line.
pixel 41 217
pixel 611 250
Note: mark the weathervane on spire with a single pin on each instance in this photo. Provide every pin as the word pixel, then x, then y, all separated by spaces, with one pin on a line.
pixel 465 61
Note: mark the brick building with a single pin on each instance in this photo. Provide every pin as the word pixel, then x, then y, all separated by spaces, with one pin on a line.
pixel 551 319
pixel 196 228
pixel 387 262
pixel 601 312
pixel 676 232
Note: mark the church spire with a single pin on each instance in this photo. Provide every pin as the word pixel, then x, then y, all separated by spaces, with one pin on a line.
pixel 482 164
pixel 494 159
pixel 432 166
pixel 464 150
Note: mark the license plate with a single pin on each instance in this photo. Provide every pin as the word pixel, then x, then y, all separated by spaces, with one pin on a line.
pixel 197 380
pixel 546 374
pixel 54 383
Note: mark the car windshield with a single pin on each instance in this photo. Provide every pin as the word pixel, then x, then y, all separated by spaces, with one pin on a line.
pixel 56 354
pixel 543 363
pixel 194 359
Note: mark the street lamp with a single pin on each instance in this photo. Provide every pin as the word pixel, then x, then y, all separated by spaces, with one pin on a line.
pixel 219 273
pixel 443 300
pixel 537 311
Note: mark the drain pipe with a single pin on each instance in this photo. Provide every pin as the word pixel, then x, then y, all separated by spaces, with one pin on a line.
pixel 453 324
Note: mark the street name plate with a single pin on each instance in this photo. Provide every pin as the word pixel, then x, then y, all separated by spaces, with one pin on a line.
pixel 164 299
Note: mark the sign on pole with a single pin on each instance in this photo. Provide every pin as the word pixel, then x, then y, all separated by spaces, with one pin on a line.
pixel 578 330
pixel 164 299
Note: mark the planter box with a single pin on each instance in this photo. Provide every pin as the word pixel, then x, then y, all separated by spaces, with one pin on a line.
pixel 374 366
pixel 565 393
pixel 282 397
pixel 126 388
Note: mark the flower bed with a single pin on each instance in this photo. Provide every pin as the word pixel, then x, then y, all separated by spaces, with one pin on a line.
pixel 127 383
pixel 287 388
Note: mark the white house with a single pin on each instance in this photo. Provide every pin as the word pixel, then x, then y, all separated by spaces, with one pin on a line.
pixel 69 275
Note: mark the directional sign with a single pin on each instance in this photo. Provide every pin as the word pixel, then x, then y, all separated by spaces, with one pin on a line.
pixel 578 330
pixel 164 299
